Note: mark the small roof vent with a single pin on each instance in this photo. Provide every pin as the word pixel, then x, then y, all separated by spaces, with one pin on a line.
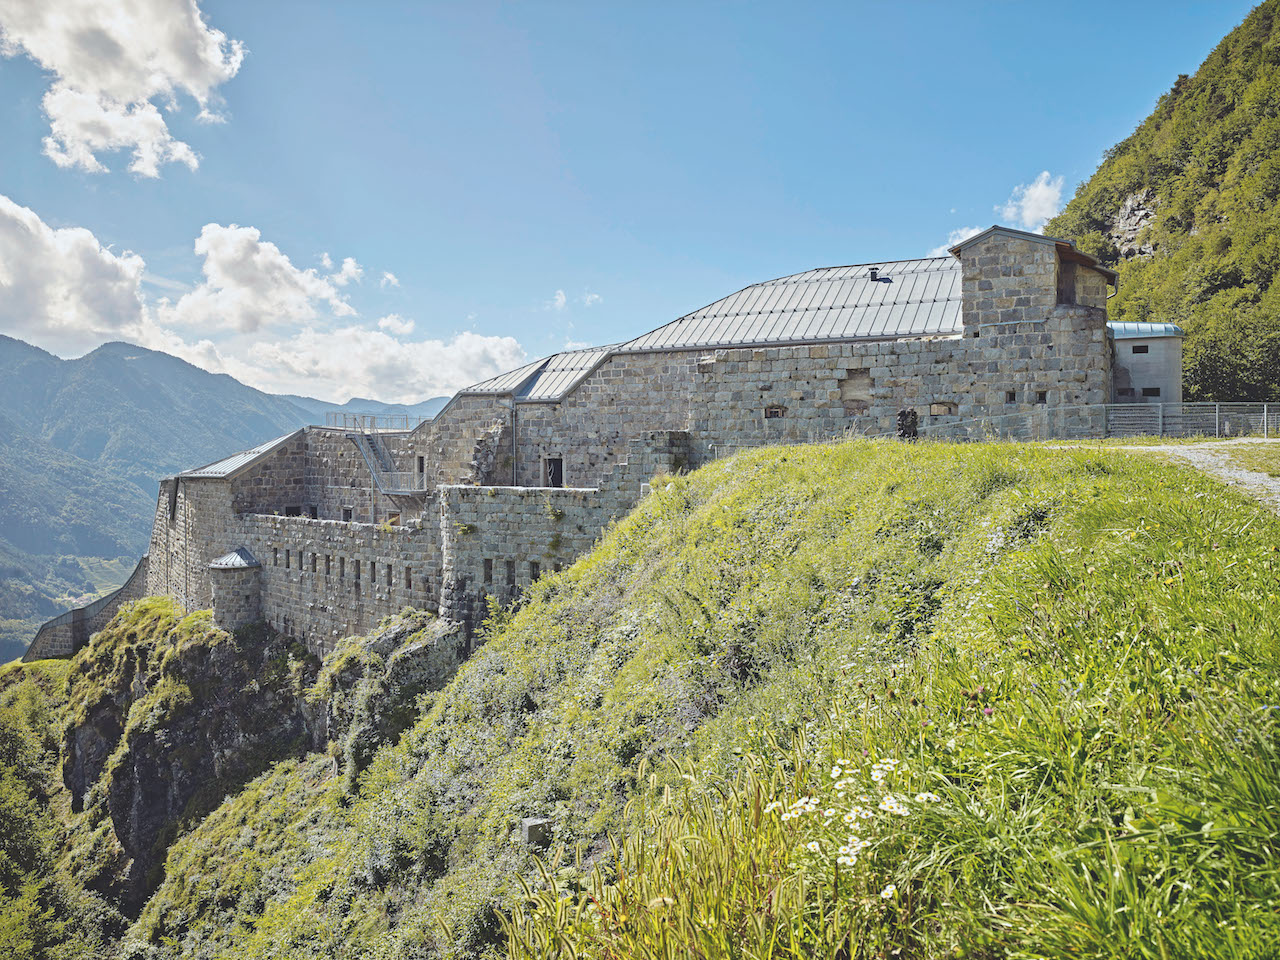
pixel 875 273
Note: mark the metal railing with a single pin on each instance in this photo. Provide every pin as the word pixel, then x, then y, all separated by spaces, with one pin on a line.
pixel 374 422
pixel 1098 421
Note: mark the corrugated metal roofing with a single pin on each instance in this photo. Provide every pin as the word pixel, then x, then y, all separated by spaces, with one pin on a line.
pixel 238 559
pixel 547 379
pixel 229 465
pixel 909 298
pixel 1133 329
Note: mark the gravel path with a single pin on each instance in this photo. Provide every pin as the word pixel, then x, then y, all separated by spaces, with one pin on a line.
pixel 1213 459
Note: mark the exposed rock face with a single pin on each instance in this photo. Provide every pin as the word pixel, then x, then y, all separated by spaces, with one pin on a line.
pixel 169 721
pixel 1137 212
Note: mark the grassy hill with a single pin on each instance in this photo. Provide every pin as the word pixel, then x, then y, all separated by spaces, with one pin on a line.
pixel 853 700
pixel 1186 210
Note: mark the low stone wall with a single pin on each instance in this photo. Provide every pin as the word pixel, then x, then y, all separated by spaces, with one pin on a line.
pixel 65 634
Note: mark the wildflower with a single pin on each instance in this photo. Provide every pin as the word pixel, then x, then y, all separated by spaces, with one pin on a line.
pixel 877 774
pixel 771 807
pixel 835 773
pixel 829 812
pixel 813 846
pixel 850 817
pixel 846 861
pixel 987 711
pixel 928 798
pixel 889 892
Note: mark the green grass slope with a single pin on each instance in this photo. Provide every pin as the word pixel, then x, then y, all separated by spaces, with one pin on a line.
pixel 1206 164
pixel 1074 651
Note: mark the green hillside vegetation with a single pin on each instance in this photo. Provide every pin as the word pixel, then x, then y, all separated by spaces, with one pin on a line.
pixel 1206 164
pixel 1075 652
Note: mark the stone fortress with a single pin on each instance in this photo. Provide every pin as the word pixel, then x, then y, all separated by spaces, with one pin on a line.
pixel 324 532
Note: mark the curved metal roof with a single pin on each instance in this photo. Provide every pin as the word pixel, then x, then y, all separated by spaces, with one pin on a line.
pixel 1133 329
pixel 907 298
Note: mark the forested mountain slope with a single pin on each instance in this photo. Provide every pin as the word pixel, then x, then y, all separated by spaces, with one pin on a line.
pixel 1187 210
pixel 910 701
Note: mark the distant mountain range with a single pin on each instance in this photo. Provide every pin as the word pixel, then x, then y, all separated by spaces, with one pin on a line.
pixel 82 444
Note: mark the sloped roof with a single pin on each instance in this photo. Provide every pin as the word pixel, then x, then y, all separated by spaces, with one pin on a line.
pixel 548 379
pixel 238 559
pixel 221 469
pixel 908 298
pixel 1066 248
pixel 1133 329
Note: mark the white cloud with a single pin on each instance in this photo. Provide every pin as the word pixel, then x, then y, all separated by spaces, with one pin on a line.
pixel 60 288
pixel 955 236
pixel 110 59
pixel 1031 205
pixel 389 279
pixel 591 299
pixel 326 261
pixel 557 301
pixel 354 361
pixel 576 344
pixel 396 324
pixel 350 271
pixel 249 284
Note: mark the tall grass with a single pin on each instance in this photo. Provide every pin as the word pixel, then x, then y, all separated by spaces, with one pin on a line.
pixel 1074 754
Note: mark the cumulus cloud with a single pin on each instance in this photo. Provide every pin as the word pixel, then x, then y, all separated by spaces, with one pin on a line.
pixel 110 60
pixel 350 271
pixel 557 301
pixel 259 318
pixel 396 324
pixel 249 284
pixel 389 279
pixel 1031 205
pixel 61 289
pixel 955 236
pixel 355 361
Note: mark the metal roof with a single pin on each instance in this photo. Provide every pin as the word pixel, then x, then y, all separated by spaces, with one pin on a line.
pixel 221 469
pixel 908 298
pixel 1133 329
pixel 237 559
pixel 548 379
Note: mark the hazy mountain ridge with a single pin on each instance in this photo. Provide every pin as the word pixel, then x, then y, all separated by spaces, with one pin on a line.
pixel 1186 208
pixel 82 444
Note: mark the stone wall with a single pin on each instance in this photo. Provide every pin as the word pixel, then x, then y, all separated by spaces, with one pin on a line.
pixel 498 540
pixel 65 634
pixel 194 525
pixel 237 596
pixel 276 482
pixel 324 579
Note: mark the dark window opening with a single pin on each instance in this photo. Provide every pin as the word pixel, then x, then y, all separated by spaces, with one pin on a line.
pixel 511 573
pixel 313 563
pixel 357 568
pixel 555 567
pixel 535 569
pixel 286 559
pixel 1042 396
pixel 328 565
pixel 293 511
pixel 1011 396
pixel 488 571
pixel 275 556
pixel 388 574
pixel 342 567
pixel 774 413
pixel 1142 348
pixel 977 333
pixel 1126 391
pixel 555 471
pixel 313 513
pixel 1066 282
pixel 393 519
pixel 346 514
pixel 1151 391
pixel 408 579
pixel 422 464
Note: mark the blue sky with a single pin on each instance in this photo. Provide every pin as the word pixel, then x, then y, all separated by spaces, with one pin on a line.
pixel 531 174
